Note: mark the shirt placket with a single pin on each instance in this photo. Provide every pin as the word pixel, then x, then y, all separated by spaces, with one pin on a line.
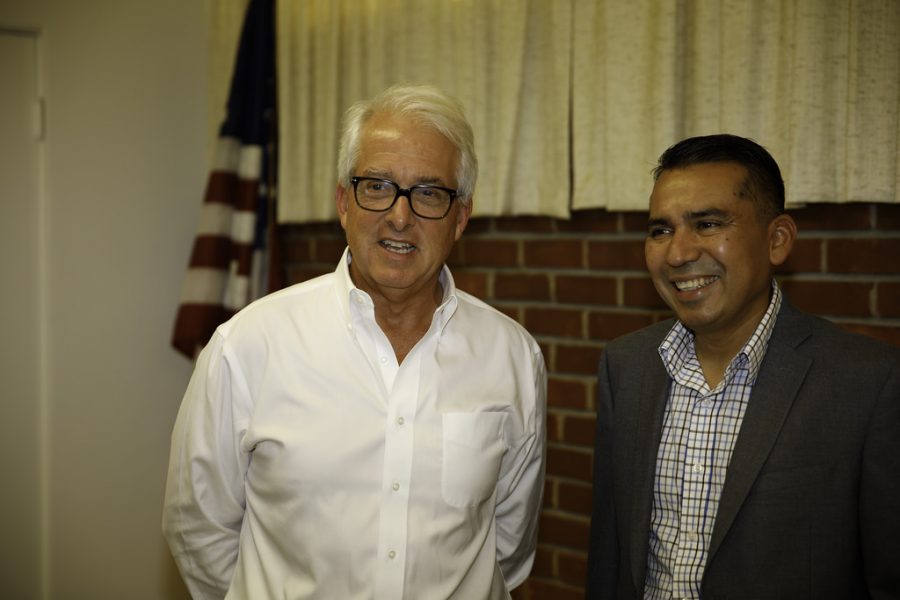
pixel 690 545
pixel 396 478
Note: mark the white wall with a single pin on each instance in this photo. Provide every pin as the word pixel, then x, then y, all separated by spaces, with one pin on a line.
pixel 125 166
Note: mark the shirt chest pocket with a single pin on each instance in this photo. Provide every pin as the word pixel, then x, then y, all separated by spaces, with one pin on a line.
pixel 473 447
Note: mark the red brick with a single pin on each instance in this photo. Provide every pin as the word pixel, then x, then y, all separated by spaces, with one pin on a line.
pixel 888 294
pixel 558 569
pixel 567 393
pixel 511 311
pixel 555 321
pixel 474 282
pixel 549 500
pixel 554 427
pixel 590 221
pixel 805 257
pixel 325 228
pixel 623 255
pixel 847 299
pixel 491 253
pixel 640 293
pixel 564 530
pixel 526 224
pixel 592 393
pixel 610 325
pixel 521 286
pixel 543 563
pixel 887 217
pixel 554 253
pixel 579 360
pixel 578 430
pixel 585 289
pixel 574 497
pixel 569 463
pixel 572 567
pixel 535 588
pixel 885 333
pixel 523 592
pixel 478 225
pixel 827 216
pixel 863 255
pixel 455 258
pixel 546 348
pixel 328 250
pixel 301 274
pixel 295 249
pixel 635 221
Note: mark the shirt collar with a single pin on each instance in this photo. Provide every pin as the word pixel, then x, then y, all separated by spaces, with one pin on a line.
pixel 677 348
pixel 350 295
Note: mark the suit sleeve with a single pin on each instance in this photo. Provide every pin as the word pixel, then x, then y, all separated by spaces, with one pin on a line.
pixel 204 502
pixel 603 550
pixel 879 490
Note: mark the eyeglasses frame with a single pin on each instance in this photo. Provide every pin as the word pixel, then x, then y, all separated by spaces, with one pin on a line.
pixel 404 192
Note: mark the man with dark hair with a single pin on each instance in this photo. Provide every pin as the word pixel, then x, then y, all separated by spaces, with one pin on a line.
pixel 744 449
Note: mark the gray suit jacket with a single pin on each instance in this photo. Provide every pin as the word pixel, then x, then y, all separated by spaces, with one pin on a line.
pixel 811 502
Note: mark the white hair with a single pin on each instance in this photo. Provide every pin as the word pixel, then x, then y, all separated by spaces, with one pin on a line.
pixel 427 105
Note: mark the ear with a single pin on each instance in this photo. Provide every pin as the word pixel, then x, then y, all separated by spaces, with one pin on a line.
pixel 462 218
pixel 341 200
pixel 782 234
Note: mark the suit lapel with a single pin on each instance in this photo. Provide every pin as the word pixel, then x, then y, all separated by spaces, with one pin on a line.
pixel 780 377
pixel 653 394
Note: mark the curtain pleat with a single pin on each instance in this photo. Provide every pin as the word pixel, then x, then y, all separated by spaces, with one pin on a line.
pixel 814 81
pixel 572 101
pixel 506 61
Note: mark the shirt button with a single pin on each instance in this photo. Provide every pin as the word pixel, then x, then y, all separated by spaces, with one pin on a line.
pixel 383 359
pixel 392 554
pixel 395 487
pixel 698 468
pixel 400 421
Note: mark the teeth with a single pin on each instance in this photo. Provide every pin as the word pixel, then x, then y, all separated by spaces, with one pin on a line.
pixel 694 284
pixel 402 248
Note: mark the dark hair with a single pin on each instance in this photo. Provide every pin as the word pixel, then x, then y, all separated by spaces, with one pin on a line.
pixel 763 185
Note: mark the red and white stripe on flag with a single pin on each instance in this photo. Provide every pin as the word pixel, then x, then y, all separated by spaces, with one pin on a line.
pixel 226 272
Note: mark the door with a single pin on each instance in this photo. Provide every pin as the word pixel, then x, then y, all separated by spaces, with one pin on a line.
pixel 21 240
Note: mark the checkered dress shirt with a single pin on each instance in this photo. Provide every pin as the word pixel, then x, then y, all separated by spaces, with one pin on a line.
pixel 700 427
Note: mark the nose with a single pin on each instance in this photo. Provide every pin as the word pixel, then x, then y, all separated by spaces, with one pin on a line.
pixel 400 215
pixel 682 248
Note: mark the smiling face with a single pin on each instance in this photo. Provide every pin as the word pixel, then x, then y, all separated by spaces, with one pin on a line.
pixel 397 255
pixel 709 252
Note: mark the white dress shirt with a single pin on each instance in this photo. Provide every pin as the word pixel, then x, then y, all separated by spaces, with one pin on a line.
pixel 306 463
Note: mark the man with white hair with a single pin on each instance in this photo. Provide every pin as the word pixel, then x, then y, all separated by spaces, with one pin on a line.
pixel 374 432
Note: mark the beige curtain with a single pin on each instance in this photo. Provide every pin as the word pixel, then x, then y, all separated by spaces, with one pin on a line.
pixel 815 81
pixel 508 61
pixel 572 101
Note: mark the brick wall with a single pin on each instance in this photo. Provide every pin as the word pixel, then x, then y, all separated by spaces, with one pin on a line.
pixel 577 284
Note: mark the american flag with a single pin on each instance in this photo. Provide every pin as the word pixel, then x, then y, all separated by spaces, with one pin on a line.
pixel 234 258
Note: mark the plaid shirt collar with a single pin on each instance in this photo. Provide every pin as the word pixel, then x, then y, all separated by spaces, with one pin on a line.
pixel 677 349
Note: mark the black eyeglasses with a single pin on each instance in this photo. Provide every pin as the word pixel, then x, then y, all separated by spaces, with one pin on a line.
pixel 425 200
